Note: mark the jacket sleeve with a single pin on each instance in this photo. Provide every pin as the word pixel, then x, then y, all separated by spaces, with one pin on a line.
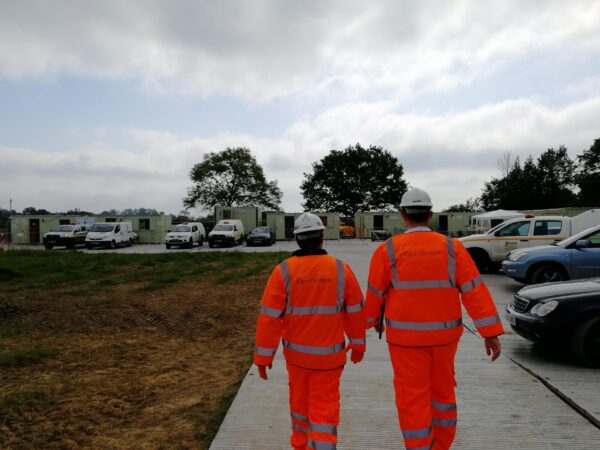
pixel 378 284
pixel 354 313
pixel 270 319
pixel 475 295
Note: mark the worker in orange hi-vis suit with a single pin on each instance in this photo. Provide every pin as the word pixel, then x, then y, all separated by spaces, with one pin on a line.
pixel 419 279
pixel 311 300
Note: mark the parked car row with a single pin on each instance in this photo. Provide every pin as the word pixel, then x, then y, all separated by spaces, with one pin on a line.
pixel 101 234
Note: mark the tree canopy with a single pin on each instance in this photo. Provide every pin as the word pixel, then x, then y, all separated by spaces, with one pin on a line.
pixel 545 183
pixel 231 177
pixel 588 175
pixel 354 179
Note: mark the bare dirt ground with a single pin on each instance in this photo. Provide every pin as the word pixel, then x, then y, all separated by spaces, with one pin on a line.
pixel 130 370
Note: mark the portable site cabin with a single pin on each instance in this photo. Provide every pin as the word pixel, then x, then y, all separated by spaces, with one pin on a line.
pixel 250 216
pixel 455 224
pixel 480 223
pixel 30 229
pixel 283 224
pixel 364 222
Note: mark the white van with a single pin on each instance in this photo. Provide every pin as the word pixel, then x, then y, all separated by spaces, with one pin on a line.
pixel 226 232
pixel 185 235
pixel 109 235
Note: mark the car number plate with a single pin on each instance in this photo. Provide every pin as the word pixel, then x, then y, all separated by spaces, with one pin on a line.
pixel 512 320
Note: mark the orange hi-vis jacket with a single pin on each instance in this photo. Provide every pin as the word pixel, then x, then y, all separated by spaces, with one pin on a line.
pixel 422 276
pixel 310 301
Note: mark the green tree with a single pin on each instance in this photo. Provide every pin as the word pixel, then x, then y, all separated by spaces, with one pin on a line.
pixel 31 211
pixel 354 179
pixel 588 175
pixel 472 204
pixel 231 177
pixel 545 183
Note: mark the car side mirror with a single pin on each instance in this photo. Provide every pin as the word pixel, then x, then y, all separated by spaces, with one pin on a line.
pixel 583 243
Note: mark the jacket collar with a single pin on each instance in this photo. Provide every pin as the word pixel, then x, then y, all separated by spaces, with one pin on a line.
pixel 318 251
pixel 414 229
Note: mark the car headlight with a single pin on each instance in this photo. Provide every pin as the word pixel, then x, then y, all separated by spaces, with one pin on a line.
pixel 543 309
pixel 515 256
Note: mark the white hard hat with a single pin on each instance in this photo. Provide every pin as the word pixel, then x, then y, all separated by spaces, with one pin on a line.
pixel 307 222
pixel 416 198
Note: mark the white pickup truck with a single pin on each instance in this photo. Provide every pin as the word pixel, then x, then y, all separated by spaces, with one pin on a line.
pixel 489 249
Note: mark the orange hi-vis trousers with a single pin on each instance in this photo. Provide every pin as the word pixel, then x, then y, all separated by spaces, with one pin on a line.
pixel 314 407
pixel 425 398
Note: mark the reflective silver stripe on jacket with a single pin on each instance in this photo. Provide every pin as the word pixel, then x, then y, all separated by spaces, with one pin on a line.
pixel 372 319
pixel 426 326
pixel 486 321
pixel 451 261
pixel 443 406
pixel 391 251
pixel 311 350
pixel 464 288
pixel 299 417
pixel 299 428
pixel 341 279
pixel 305 310
pixel 426 284
pixel 324 428
pixel 374 290
pixel 321 445
pixel 417 434
pixel 445 422
pixel 356 308
pixel 264 351
pixel 271 312
pixel 357 341
pixel 285 271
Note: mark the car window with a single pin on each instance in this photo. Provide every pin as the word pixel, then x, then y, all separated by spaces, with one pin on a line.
pixel 515 229
pixel 594 238
pixel 547 227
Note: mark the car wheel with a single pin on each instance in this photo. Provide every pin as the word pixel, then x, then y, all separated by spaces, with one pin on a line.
pixel 481 259
pixel 129 242
pixel 48 246
pixel 168 246
pixel 88 246
pixel 210 244
pixel 586 342
pixel 547 274
pixel 113 244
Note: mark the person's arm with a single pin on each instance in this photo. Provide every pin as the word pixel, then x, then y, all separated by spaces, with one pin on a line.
pixel 269 326
pixel 478 301
pixel 354 315
pixel 378 284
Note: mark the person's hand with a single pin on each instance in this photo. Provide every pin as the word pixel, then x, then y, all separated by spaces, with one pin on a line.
pixel 356 356
pixel 492 347
pixel 377 326
pixel 262 371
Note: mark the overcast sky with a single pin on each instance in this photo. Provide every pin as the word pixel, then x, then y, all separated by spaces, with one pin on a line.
pixel 108 104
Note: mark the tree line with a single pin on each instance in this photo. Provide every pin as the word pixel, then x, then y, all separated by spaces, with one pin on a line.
pixel 359 178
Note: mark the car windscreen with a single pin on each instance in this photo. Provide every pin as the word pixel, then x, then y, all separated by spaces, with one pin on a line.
pixel 64 228
pixel 182 228
pixel 582 235
pixel 223 228
pixel 102 227
pixel 261 230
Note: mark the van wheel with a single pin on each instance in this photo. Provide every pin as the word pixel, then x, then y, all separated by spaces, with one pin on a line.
pixel 113 244
pixel 88 246
pixel 191 243
pixel 48 246
pixel 548 273
pixel 168 246
pixel 586 342
pixel 201 241
pixel 210 244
